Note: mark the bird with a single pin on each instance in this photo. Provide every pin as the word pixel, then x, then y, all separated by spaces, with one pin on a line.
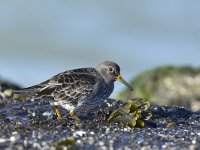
pixel 79 89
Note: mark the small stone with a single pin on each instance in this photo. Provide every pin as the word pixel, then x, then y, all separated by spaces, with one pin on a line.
pixel 12 139
pixel 80 133
pixel 91 140
pixel 101 143
pixel 194 141
pixel 3 140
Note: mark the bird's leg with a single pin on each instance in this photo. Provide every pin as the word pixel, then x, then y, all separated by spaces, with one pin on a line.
pixel 58 114
pixel 59 117
pixel 74 116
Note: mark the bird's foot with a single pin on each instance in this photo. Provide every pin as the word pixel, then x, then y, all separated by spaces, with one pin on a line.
pixel 59 118
pixel 74 116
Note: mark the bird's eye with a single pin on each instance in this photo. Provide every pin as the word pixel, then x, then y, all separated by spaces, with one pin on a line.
pixel 111 69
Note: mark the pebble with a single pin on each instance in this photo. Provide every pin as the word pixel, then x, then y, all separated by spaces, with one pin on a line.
pixel 40 133
pixel 80 133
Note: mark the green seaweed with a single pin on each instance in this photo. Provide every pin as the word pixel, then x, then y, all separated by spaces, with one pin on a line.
pixel 68 144
pixel 132 113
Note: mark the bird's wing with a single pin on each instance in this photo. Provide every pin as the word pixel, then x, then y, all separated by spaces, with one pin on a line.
pixel 68 86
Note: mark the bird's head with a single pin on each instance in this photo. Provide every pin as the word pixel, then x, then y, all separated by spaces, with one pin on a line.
pixel 110 71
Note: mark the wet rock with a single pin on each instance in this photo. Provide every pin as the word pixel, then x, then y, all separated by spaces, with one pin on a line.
pixel 6 89
pixel 171 86
pixel 33 125
pixel 6 85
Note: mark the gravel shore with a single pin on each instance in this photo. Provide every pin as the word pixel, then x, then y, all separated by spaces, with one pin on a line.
pixel 33 125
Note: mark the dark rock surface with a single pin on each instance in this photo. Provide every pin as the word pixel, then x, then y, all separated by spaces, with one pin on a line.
pixel 170 86
pixel 4 85
pixel 6 89
pixel 33 125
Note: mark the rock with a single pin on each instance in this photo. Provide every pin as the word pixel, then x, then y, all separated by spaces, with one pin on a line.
pixel 6 88
pixel 171 86
pixel 5 85
pixel 33 125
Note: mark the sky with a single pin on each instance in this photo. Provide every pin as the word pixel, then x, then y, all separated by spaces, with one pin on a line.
pixel 39 39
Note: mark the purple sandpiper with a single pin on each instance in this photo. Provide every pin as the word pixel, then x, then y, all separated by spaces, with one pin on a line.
pixel 79 89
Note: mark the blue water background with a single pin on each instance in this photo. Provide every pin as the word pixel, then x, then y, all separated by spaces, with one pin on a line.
pixel 39 39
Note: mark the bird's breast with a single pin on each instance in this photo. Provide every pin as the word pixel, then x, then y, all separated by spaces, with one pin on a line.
pixel 105 90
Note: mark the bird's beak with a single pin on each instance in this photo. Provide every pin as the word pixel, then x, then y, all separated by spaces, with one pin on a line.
pixel 119 78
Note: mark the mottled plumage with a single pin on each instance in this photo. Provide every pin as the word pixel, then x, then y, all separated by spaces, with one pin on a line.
pixel 80 89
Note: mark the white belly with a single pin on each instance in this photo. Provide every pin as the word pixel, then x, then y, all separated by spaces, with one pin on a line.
pixel 64 105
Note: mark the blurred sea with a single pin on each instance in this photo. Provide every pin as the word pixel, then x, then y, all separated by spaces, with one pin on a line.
pixel 39 39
